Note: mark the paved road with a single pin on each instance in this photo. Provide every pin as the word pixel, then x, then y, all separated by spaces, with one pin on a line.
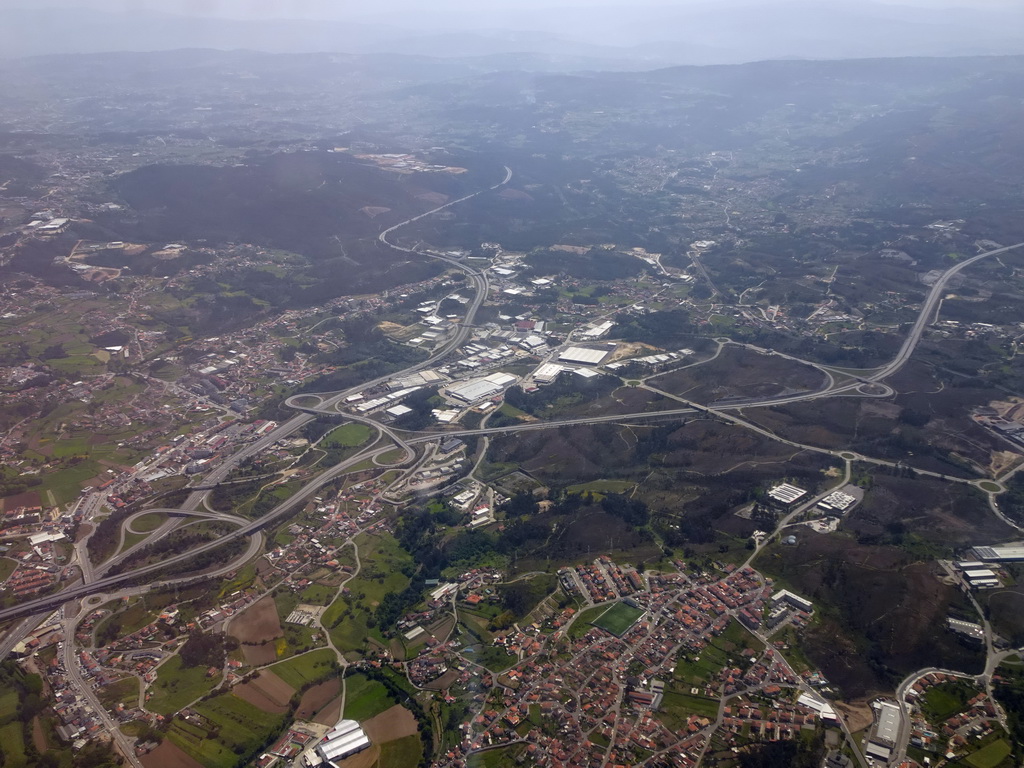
pixel 926 315
pixel 85 689
pixel 331 401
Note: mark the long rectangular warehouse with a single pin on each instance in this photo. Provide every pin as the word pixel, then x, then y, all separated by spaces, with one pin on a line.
pixel 999 554
pixel 583 355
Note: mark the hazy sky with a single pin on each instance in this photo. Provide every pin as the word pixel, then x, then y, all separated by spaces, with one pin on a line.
pixel 340 9
pixel 657 32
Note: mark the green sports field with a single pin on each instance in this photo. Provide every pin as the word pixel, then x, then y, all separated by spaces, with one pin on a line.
pixel 618 618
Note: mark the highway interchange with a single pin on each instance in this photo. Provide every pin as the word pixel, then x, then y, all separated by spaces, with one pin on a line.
pixel 96 582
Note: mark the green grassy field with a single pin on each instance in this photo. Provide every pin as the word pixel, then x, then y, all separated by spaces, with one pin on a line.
pixel 676 707
pixel 149 522
pixel 132 539
pixel 584 621
pixel 176 687
pixel 405 752
pixel 382 561
pixel 318 594
pixel 498 758
pixel 618 619
pixel 724 650
pixel 8 702
pixel 13 740
pixel 122 692
pixel 347 436
pixel 302 669
pixel 943 701
pixel 990 755
pixel 495 659
pixel 7 567
pixel 365 698
pixel 75 446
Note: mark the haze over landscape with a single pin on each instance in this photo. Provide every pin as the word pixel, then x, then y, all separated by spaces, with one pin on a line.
pixel 511 384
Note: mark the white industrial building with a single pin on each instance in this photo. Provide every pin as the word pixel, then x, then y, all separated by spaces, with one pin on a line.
pixel 837 501
pixel 790 598
pixel 548 372
pixel 478 389
pixel 978 575
pixel 786 493
pixel 599 330
pixel 999 554
pixel 343 740
pixel 824 710
pixel 583 355
pixel 889 717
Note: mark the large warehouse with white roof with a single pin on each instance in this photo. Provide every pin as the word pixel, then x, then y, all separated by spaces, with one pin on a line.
pixel 583 355
pixel 343 740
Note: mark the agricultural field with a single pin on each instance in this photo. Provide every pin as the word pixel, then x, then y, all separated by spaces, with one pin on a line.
pixel 267 692
pixel 299 670
pixel 991 755
pixel 258 628
pixel 231 727
pixel 700 669
pixel 677 705
pixel 365 698
pixel 405 752
pixel 383 562
pixel 176 687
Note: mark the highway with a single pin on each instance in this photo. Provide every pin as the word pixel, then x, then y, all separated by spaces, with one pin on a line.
pixel 329 402
pixel 93 584
pixel 925 317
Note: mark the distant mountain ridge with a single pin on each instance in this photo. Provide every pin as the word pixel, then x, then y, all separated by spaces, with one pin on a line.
pixel 605 37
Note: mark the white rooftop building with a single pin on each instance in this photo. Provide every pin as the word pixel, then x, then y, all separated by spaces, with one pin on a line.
pixel 583 355
pixel 547 373
pixel 786 493
pixel 343 740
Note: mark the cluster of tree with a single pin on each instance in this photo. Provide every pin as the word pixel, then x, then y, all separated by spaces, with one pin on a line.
pixel 174 543
pixel 520 597
pixel 226 497
pixel 1012 502
pixel 422 403
pixel 394 605
pixel 562 394
pixel 1009 691
pixel 633 511
pixel 203 649
pixel 13 484
pixel 671 328
pixel 104 540
pixel 798 753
